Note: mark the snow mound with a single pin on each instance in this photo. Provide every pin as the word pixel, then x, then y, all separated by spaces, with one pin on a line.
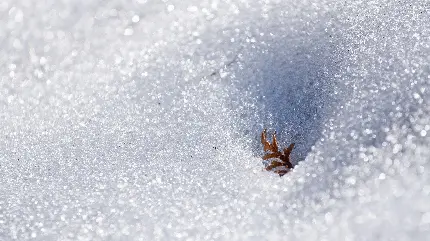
pixel 140 120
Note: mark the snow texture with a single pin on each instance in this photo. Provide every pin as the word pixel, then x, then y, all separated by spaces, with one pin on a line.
pixel 140 119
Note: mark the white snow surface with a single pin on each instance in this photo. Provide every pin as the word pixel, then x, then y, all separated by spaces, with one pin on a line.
pixel 140 119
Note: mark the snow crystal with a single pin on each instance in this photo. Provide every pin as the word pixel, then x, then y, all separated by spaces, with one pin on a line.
pixel 140 120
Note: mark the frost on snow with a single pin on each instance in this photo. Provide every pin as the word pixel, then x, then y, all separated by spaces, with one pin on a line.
pixel 140 120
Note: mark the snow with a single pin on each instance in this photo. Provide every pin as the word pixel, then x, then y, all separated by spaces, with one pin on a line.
pixel 140 120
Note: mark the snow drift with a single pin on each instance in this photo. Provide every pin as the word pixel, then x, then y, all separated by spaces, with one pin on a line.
pixel 140 120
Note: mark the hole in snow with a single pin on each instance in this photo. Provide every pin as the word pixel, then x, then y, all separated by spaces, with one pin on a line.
pixel 290 87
